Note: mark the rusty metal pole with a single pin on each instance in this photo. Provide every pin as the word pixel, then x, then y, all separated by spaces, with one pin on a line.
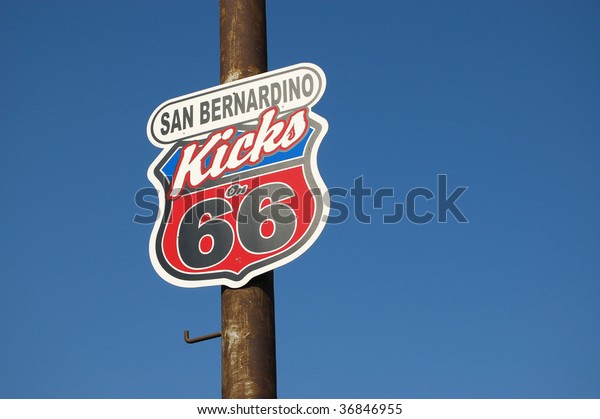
pixel 247 313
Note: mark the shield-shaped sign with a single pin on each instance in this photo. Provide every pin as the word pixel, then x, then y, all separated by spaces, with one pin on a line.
pixel 237 179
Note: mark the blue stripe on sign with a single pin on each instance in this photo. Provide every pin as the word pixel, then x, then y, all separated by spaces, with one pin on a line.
pixel 169 167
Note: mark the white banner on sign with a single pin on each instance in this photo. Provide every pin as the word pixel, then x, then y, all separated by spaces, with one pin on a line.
pixel 196 114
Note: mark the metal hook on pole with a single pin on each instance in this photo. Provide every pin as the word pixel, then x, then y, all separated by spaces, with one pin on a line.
pixel 186 337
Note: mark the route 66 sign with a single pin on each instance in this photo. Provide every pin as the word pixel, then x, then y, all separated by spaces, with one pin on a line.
pixel 237 179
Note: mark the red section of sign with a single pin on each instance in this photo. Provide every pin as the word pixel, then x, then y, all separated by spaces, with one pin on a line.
pixel 249 239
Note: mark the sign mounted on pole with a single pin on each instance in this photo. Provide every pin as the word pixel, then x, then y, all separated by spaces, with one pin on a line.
pixel 238 186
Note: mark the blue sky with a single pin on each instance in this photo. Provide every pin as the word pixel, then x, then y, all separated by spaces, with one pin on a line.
pixel 502 96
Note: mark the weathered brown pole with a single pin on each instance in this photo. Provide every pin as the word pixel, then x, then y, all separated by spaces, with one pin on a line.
pixel 247 313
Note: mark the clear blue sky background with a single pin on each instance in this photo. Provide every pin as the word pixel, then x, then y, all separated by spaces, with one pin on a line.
pixel 502 96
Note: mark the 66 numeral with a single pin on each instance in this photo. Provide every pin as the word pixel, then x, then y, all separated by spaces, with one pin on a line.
pixel 264 224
